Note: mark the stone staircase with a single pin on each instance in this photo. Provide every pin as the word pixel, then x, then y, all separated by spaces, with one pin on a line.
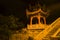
pixel 48 36
pixel 48 31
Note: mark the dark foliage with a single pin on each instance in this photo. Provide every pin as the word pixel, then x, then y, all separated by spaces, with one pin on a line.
pixel 9 24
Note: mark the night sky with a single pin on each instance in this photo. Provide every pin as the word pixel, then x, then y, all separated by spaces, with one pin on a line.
pixel 17 8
